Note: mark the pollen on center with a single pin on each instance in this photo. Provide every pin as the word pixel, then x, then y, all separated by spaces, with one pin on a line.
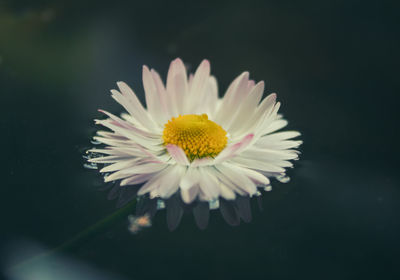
pixel 196 135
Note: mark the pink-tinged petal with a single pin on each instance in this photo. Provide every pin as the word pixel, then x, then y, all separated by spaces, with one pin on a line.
pixel 250 84
pixel 269 120
pixel 208 103
pixel 109 159
pixel 177 86
pixel 127 125
pixel 232 87
pixel 200 77
pixel 262 111
pixel 149 143
pixel 177 154
pixel 125 132
pixel 120 165
pixel 135 107
pixel 198 89
pixel 163 184
pixel 151 184
pixel 162 92
pixel 234 149
pixel 148 152
pixel 138 169
pixel 232 100
pixel 136 179
pixel 247 109
pixel 155 99
pixel 258 165
pixel 106 151
pixel 237 177
pixel 113 142
pixel 211 97
pixel 268 114
pixel 133 112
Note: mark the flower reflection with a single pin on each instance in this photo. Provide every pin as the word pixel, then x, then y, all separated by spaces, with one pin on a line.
pixel 233 211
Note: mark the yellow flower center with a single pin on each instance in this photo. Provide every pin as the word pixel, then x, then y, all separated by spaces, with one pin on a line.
pixel 196 135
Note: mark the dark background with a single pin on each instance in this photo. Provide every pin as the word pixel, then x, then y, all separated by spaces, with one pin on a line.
pixel 335 67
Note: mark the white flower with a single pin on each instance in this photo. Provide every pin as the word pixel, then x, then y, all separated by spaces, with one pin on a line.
pixel 189 140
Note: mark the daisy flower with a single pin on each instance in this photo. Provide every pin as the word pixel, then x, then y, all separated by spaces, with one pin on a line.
pixel 189 142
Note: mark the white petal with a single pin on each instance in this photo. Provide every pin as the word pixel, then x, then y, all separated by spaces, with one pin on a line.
pixel 234 149
pixel 208 184
pixel 269 154
pixel 155 181
pixel 226 192
pixel 107 151
pixel 281 135
pixel 150 143
pixel 247 108
pixel 109 159
pixel 110 134
pixel 274 126
pixel 254 175
pixel 120 165
pixel 170 181
pixel 113 142
pixel 198 88
pixel 127 125
pixel 189 185
pixel 138 169
pixel 136 179
pixel 210 102
pixel 236 176
pixel 177 154
pixel 177 87
pixel 224 180
pixel 202 162
pixel 190 194
pixel 269 120
pixel 236 92
pixel 191 178
pixel 155 99
pixel 263 110
pixel 136 151
pixel 278 145
pixel 257 164
pixel 135 107
pixel 190 81
pixel 162 92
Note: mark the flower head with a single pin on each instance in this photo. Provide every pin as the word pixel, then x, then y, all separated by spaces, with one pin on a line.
pixel 190 142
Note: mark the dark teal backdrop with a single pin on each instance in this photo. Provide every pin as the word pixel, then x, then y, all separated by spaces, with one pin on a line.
pixel 334 66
